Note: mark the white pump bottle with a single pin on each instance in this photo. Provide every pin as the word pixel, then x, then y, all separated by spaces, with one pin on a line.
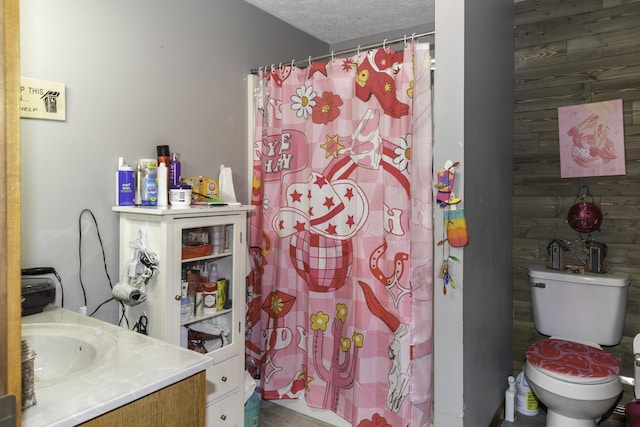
pixel 510 401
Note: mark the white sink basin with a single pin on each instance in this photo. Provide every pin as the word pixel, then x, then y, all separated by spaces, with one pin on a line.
pixel 66 350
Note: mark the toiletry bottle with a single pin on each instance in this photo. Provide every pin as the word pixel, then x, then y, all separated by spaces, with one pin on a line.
pixel 137 200
pixel 174 171
pixel 227 293
pixel 126 184
pixel 222 293
pixel 164 156
pixel 210 298
pixel 526 401
pixel 510 401
pixel 184 287
pixel 213 273
pixel 163 192
pixel 186 309
pixel 192 284
pixel 199 299
pixel 149 184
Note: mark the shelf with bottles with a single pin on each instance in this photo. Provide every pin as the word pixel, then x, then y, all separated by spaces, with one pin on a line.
pixel 204 299
pixel 206 309
pixel 206 242
pixel 207 288
pixel 205 331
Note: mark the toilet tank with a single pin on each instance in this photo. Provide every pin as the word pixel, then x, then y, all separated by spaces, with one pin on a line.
pixel 581 306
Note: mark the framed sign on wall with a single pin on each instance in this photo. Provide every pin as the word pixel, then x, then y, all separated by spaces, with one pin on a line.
pixel 591 139
pixel 41 99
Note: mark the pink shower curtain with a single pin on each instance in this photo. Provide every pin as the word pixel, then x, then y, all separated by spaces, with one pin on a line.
pixel 340 293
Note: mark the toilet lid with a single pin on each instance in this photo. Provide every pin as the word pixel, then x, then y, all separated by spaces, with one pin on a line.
pixel 572 358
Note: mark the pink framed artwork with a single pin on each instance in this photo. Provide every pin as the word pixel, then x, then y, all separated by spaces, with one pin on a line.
pixel 591 139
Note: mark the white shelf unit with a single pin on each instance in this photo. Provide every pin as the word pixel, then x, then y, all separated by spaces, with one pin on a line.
pixel 164 231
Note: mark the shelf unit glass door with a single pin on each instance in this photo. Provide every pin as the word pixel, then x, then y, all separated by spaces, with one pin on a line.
pixel 212 324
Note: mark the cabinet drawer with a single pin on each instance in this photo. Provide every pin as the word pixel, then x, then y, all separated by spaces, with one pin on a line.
pixel 228 412
pixel 224 378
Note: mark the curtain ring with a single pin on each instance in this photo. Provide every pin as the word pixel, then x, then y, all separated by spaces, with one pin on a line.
pixel 413 36
pixel 309 61
pixel 358 50
pixel 384 44
pixel 273 66
pixel 280 67
pixel 405 40
pixel 332 58
pixel 293 63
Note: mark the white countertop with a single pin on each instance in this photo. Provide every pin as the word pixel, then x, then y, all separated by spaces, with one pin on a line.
pixel 140 366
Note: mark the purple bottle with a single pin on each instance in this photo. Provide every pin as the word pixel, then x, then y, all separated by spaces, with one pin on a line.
pixel 174 171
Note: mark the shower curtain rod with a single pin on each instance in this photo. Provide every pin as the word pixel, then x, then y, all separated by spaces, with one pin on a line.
pixel 344 52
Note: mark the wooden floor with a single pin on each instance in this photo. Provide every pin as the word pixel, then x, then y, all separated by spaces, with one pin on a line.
pixel 272 415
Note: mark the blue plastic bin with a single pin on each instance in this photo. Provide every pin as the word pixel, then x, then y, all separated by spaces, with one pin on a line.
pixel 252 411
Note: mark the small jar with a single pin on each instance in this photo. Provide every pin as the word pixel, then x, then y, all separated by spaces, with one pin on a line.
pixel 210 298
pixel 180 195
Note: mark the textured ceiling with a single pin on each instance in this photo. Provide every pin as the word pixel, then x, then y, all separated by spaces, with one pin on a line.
pixel 334 21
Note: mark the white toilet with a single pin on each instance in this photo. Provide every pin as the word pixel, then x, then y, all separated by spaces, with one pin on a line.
pixel 569 372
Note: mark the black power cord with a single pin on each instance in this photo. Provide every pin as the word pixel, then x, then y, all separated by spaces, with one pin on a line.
pixel 104 261
pixel 141 325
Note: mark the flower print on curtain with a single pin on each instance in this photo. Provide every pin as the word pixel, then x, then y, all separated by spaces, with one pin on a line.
pixel 341 242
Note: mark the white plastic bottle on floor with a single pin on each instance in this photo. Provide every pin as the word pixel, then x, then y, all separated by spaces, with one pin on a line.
pixel 526 401
pixel 510 401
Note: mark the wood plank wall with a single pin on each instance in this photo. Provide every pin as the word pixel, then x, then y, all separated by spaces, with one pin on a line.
pixel 570 52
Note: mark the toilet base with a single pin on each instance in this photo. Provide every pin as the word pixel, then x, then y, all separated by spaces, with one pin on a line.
pixel 555 419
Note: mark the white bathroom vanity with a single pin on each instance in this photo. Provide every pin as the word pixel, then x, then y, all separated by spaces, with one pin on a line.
pixel 112 376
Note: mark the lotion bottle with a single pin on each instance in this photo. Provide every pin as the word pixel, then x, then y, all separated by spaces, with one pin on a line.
pixel 510 401
pixel 163 195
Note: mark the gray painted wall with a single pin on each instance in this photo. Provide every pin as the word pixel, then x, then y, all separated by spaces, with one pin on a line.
pixel 473 125
pixel 137 74
pixel 488 115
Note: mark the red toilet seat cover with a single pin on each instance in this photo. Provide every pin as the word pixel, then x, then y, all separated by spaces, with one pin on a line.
pixel 572 358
